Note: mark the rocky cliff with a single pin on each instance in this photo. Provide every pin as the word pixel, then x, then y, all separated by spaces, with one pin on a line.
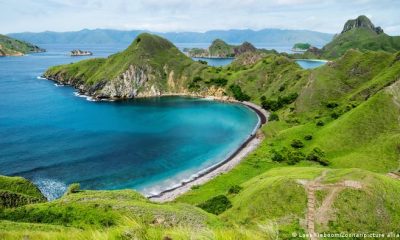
pixel 361 22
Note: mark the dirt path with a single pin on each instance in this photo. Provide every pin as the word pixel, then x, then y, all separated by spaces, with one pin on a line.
pixel 393 175
pixel 322 214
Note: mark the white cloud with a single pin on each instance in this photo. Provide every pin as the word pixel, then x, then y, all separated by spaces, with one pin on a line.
pixel 195 15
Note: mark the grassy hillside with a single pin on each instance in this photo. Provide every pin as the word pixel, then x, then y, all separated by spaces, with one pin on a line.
pixel 360 34
pixel 17 191
pixel 362 39
pixel 274 203
pixel 13 47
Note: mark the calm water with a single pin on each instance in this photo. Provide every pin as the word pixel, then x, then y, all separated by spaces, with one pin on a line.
pixel 55 138
pixel 310 64
pixel 216 62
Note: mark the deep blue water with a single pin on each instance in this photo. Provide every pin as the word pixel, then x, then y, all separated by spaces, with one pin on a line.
pixel 55 138
pixel 310 64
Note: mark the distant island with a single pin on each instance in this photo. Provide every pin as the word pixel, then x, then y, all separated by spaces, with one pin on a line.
pixel 301 47
pixel 220 49
pixel 78 52
pixel 14 47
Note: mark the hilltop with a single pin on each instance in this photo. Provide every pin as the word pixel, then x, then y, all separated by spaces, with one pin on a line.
pixel 361 34
pixel 150 66
pixel 14 47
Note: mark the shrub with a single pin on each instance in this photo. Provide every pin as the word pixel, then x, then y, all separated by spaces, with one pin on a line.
pixel 277 156
pixel 308 137
pixel 235 189
pixel 197 79
pixel 219 82
pixel 335 115
pixel 238 93
pixel 274 105
pixel 195 187
pixel 295 157
pixel 296 143
pixel 273 117
pixel 320 123
pixel 317 155
pixel 203 62
pixel 216 205
pixel 332 105
pixel 73 188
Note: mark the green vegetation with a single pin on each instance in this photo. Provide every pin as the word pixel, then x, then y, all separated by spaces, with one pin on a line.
pixel 301 46
pixel 216 205
pixel 337 124
pixel 17 191
pixel 360 34
pixel 14 47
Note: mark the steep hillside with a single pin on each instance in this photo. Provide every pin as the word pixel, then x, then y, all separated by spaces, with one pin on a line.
pixel 14 47
pixel 360 34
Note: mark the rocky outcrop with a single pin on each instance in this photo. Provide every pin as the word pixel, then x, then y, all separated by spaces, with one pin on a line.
pixel 127 85
pixel 244 48
pixel 78 52
pixel 361 22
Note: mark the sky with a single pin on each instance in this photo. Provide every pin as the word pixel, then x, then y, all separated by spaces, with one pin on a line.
pixel 193 15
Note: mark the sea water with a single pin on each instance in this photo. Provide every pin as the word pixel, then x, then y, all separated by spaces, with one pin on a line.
pixel 53 137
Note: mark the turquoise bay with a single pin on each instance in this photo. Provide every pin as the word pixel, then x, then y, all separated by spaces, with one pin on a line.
pixel 55 138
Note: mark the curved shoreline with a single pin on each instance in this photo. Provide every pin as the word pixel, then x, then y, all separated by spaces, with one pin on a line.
pixel 226 165
pixel 250 144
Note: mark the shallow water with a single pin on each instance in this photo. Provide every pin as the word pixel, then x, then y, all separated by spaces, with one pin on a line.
pixel 310 64
pixel 55 138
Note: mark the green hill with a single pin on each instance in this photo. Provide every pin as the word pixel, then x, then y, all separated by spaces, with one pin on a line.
pixel 150 66
pixel 275 203
pixel 221 49
pixel 360 34
pixel 13 47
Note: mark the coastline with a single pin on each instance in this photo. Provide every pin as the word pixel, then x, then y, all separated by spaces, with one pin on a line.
pixel 249 145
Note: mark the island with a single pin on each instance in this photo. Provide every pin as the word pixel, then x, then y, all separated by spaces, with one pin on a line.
pixel 220 49
pixel 78 52
pixel 301 47
pixel 14 47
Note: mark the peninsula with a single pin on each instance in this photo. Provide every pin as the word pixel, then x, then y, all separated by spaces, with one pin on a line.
pixel 13 47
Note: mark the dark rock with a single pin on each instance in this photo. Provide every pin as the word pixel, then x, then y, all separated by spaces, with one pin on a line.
pixel 361 22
